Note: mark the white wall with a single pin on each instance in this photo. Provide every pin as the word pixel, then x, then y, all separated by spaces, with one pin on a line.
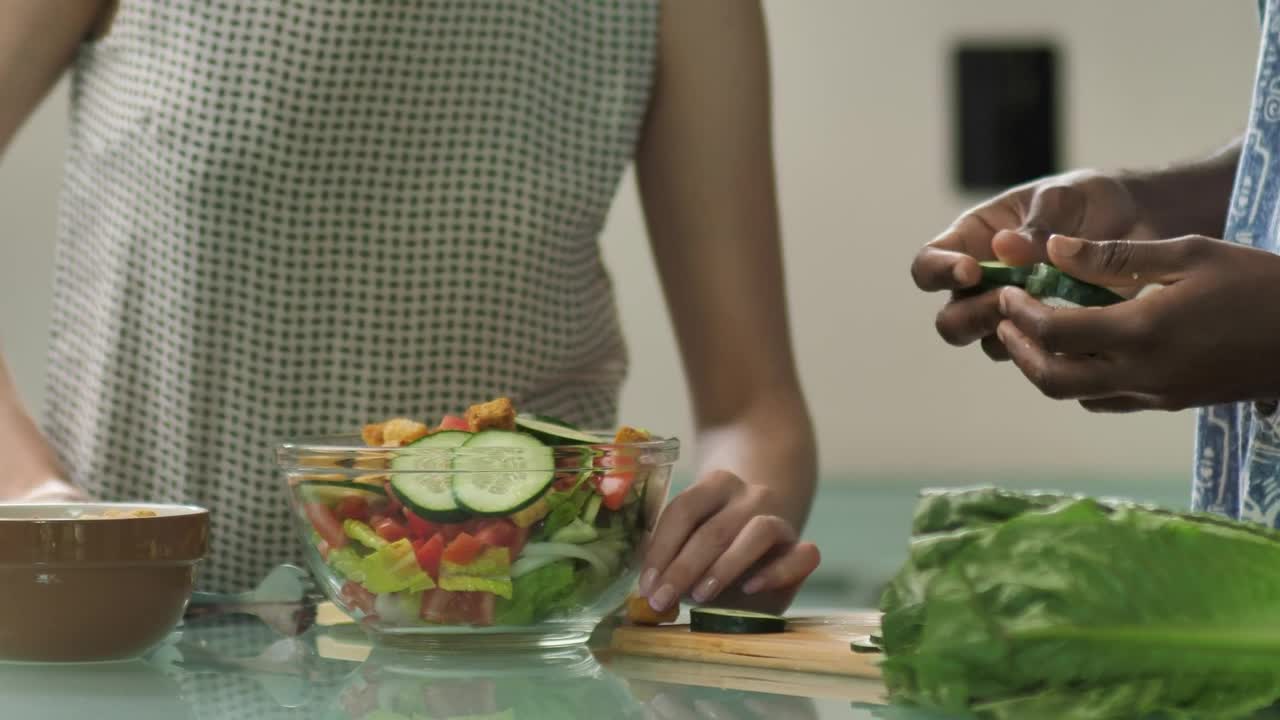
pixel 861 138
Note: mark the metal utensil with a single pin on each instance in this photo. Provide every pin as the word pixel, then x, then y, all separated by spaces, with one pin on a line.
pixel 284 601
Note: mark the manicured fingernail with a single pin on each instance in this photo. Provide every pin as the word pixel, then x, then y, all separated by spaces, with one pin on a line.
pixel 646 581
pixel 705 590
pixel 1002 332
pixel 957 272
pixel 753 586
pixel 663 598
pixel 1064 246
pixel 1004 302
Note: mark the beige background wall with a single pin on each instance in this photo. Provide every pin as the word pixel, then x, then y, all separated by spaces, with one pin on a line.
pixel 861 138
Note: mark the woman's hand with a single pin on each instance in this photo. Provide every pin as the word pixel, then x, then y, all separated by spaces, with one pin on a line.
pixel 28 466
pixel 52 491
pixel 705 169
pixel 720 534
pixel 1209 336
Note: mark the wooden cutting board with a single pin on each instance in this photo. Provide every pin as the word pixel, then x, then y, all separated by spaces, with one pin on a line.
pixel 817 644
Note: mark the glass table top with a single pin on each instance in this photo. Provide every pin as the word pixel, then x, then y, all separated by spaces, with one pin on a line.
pixel 238 668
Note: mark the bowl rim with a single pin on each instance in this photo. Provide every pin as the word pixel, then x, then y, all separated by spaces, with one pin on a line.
pixel 293 454
pixel 163 511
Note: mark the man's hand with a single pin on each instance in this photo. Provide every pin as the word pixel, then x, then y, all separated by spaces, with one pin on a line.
pixel 1013 228
pixel 722 533
pixel 1209 336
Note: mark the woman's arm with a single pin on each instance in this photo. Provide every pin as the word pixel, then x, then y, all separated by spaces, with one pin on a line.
pixel 706 177
pixel 38 38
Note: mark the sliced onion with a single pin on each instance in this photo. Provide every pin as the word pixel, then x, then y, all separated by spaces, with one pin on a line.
pixel 557 550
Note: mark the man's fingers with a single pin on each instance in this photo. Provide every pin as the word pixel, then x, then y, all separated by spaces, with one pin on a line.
pixel 1057 208
pixel 1118 404
pixel 1070 330
pixel 995 349
pixel 1061 377
pixel 966 320
pixel 936 268
pixel 1130 263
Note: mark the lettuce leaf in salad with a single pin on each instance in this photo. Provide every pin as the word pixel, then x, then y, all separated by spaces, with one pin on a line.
pixel 489 572
pixel 566 506
pixel 394 568
pixel 536 594
pixel 347 562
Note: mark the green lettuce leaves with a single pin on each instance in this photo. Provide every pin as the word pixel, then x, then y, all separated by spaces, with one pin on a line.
pixel 1036 606
pixel 537 594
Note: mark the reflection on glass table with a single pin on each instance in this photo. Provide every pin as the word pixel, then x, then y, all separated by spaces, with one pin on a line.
pixel 238 668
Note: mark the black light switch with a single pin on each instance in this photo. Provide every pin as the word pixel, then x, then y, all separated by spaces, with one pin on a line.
pixel 1005 99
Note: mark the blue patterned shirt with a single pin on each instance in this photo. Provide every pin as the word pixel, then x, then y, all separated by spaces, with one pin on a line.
pixel 1237 470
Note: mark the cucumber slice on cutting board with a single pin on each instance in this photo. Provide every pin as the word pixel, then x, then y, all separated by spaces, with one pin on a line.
pixel 722 620
pixel 511 473
pixel 555 432
pixel 330 492
pixel 424 482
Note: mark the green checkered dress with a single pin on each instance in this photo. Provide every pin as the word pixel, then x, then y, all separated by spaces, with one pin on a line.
pixel 290 218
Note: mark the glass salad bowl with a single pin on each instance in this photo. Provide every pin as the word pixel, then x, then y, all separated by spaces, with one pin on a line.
pixel 466 540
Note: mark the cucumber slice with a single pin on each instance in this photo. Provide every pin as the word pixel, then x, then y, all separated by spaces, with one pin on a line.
pixel 493 482
pixel 332 492
pixel 721 620
pixel 553 433
pixel 424 483
pixel 1047 281
pixel 997 274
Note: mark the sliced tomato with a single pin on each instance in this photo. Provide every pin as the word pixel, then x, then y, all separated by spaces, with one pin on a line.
pixel 419 528
pixel 355 508
pixel 325 524
pixel 458 608
pixel 499 532
pixel 435 606
pixel 463 549
pixel 614 487
pixel 429 553
pixel 393 500
pixel 474 608
pixel 453 529
pixel 517 545
pixel 390 530
pixel 357 596
pixel 453 422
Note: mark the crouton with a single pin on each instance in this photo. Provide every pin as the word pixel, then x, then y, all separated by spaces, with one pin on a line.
pixel 497 414
pixel 640 613
pixel 628 434
pixel 372 434
pixel 402 431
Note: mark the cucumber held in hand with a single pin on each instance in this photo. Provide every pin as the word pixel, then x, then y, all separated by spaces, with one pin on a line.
pixel 997 274
pixel 1047 283
pixel 722 620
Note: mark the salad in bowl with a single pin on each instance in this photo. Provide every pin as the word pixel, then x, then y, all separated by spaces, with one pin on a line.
pixel 494 526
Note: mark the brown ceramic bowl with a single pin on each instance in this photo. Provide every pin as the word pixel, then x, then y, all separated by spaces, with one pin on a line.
pixel 76 587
